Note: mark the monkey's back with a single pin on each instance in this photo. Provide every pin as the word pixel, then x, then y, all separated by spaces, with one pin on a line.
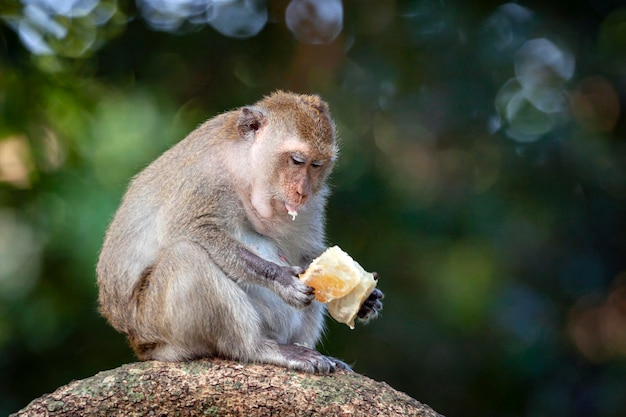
pixel 154 211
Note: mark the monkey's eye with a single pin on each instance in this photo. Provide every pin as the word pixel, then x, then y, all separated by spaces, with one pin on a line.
pixel 317 164
pixel 297 159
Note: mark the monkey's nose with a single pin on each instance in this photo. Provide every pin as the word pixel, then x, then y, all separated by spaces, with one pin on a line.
pixel 301 198
pixel 303 188
pixel 301 192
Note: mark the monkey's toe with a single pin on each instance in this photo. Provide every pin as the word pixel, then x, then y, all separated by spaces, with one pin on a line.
pixel 308 360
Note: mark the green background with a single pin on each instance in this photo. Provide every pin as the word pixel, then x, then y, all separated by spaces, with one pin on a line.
pixel 482 175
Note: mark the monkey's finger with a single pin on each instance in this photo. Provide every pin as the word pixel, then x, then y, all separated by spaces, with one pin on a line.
pixel 308 298
pixel 297 270
pixel 376 295
pixel 310 295
pixel 370 308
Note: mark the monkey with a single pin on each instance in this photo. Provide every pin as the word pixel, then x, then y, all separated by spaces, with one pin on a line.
pixel 202 257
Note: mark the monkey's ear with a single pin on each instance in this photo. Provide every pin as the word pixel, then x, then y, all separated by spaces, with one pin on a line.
pixel 251 120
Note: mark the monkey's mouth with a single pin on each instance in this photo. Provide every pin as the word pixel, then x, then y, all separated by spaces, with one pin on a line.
pixel 291 210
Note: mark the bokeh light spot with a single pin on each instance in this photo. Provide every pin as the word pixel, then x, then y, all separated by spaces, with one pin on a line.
pixel 598 326
pixel 525 316
pixel 238 19
pixel 315 21
pixel 15 161
pixel 463 282
pixel 20 250
pixel 595 104
pixel 533 103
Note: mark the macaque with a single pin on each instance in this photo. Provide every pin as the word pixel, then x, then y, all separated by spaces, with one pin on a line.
pixel 203 255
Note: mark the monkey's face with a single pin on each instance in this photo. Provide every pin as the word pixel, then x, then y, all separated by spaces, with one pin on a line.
pixel 290 176
pixel 301 173
pixel 292 148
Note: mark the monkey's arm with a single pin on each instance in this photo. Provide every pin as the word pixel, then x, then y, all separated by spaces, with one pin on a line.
pixel 242 265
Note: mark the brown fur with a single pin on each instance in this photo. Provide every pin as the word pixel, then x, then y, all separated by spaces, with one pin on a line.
pixel 201 258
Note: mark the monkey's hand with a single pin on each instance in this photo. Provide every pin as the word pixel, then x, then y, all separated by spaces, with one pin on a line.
pixel 283 280
pixel 372 305
pixel 291 289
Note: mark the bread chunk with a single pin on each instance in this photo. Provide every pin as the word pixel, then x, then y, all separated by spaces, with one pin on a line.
pixel 340 282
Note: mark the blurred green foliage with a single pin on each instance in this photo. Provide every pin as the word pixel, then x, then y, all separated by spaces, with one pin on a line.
pixel 483 175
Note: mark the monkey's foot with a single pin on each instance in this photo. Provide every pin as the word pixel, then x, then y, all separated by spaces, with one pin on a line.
pixel 308 360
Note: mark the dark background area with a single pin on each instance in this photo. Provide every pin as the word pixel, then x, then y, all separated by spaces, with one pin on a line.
pixel 482 174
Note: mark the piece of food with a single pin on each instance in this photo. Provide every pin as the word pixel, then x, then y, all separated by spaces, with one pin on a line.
pixel 340 282
pixel 291 210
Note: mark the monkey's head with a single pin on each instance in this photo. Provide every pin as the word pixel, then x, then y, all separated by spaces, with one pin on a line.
pixel 293 148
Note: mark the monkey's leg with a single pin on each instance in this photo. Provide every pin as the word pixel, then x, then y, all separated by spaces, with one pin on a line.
pixel 192 309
